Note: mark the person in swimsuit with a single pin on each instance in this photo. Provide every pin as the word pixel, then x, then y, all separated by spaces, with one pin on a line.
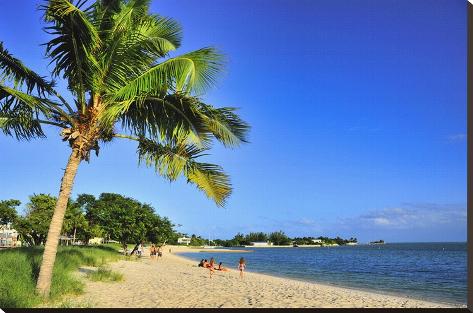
pixel 221 268
pixel 152 252
pixel 211 266
pixel 241 266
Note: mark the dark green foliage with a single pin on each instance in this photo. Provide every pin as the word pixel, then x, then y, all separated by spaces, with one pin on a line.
pixel 8 212
pixel 160 230
pixel 127 220
pixel 123 219
pixel 279 238
pixel 33 227
pixel 259 236
pixel 197 241
pixel 240 240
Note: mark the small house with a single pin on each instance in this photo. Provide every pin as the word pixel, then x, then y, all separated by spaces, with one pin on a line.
pixel 184 240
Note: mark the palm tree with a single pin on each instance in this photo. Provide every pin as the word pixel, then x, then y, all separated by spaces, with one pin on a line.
pixel 115 57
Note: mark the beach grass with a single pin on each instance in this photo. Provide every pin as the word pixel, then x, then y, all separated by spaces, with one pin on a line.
pixel 104 274
pixel 19 269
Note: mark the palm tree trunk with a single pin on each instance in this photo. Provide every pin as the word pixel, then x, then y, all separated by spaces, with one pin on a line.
pixel 43 285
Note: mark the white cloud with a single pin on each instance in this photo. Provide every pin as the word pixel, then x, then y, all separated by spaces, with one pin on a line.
pixel 457 137
pixel 381 221
pixel 410 216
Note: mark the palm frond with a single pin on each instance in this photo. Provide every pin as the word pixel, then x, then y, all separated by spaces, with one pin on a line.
pixel 21 123
pixel 161 118
pixel 102 15
pixel 14 70
pixel 169 159
pixel 224 124
pixel 211 179
pixel 207 63
pixel 127 13
pixel 11 98
pixel 193 71
pixel 133 52
pixel 75 38
pixel 172 160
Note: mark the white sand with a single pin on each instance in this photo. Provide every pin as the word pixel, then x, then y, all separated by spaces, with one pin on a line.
pixel 176 282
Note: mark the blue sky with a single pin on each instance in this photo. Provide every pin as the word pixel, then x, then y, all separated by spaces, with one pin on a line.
pixel 357 108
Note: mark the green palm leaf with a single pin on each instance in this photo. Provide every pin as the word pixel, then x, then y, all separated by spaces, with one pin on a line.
pixel 21 123
pixel 14 70
pixel 10 98
pixel 171 160
pixel 71 49
pixel 193 71
pixel 225 125
pixel 160 118
pixel 211 179
pixel 135 51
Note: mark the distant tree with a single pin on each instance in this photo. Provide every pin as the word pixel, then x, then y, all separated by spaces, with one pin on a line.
pixel 33 227
pixel 93 228
pixel 8 212
pixel 160 230
pixel 279 238
pixel 239 240
pixel 74 219
pixel 259 236
pixel 123 219
pixel 196 241
pixel 220 242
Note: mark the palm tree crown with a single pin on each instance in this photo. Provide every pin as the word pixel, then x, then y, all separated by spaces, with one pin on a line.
pixel 115 58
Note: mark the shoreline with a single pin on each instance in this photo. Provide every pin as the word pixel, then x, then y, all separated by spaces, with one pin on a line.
pixel 327 284
pixel 175 281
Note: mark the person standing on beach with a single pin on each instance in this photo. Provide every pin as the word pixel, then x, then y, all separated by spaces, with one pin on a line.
pixel 139 251
pixel 153 252
pixel 241 267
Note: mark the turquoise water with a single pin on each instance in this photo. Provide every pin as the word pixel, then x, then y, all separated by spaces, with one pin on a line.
pixel 428 271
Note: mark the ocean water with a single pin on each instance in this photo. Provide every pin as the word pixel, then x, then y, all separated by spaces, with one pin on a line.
pixel 427 271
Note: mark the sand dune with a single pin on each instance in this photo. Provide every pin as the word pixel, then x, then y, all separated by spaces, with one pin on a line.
pixel 176 282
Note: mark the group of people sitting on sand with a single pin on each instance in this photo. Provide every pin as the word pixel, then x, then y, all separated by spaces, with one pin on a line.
pixel 211 266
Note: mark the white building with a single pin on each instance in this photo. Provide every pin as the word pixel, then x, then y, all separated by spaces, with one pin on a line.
pixel 8 236
pixel 261 244
pixel 184 240
pixel 317 240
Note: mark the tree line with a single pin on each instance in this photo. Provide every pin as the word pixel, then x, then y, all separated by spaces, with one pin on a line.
pixel 110 216
pixel 126 220
pixel 278 238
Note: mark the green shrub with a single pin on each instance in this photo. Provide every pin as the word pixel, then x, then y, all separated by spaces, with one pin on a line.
pixel 104 274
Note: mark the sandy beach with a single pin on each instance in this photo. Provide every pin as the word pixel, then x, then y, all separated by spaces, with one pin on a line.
pixel 176 282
